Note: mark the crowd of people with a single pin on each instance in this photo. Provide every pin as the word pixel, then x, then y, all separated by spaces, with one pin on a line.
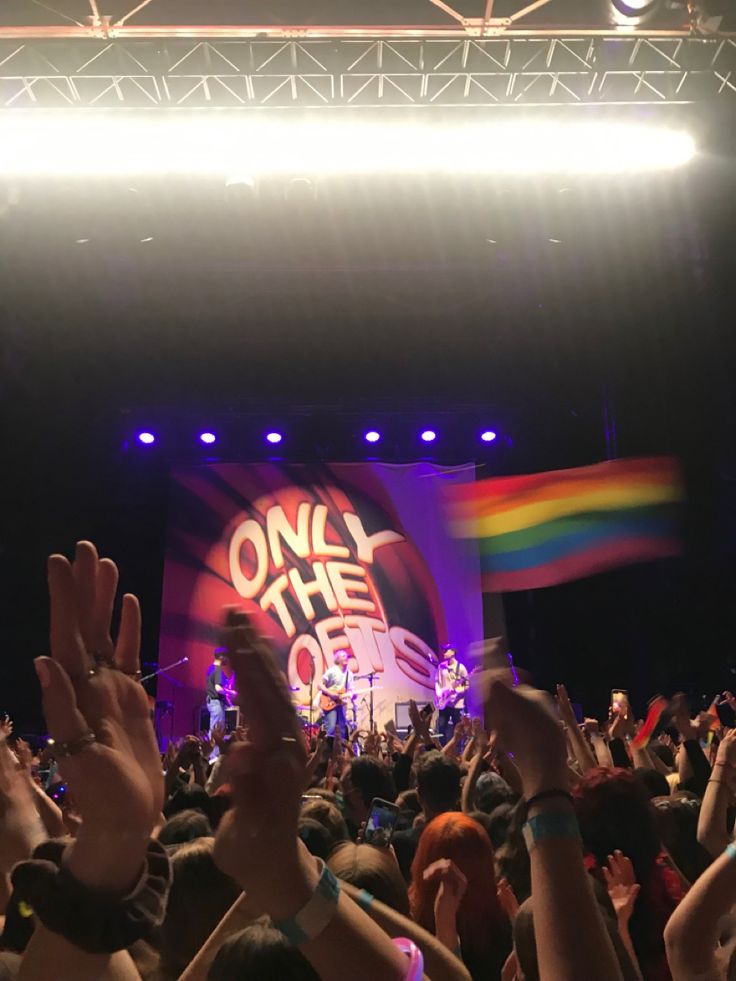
pixel 525 846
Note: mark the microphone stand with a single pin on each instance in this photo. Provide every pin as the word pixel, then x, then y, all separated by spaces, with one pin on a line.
pixel 166 667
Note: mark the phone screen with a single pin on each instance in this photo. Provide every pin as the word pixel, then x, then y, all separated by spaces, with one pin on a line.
pixel 379 827
pixel 619 700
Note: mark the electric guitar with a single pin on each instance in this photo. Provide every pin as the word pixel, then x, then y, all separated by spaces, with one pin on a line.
pixel 449 696
pixel 329 702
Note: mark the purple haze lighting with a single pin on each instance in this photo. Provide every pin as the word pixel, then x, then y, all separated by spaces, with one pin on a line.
pixel 208 438
pixel 429 435
pixel 372 436
pixel 274 437
pixel 488 436
pixel 146 438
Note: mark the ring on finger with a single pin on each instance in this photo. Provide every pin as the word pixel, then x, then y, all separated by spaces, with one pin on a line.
pixel 74 746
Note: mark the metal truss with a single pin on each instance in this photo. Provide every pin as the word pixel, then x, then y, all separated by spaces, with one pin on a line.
pixel 368 73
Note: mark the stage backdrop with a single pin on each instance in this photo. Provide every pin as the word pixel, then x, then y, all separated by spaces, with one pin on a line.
pixel 351 556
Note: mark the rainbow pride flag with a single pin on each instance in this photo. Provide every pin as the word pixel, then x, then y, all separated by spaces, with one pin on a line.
pixel 548 528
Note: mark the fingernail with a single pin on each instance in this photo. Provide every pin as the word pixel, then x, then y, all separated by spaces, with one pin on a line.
pixel 42 671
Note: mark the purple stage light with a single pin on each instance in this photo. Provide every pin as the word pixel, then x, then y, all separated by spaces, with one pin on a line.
pixel 488 436
pixel 429 435
pixel 146 438
pixel 274 437
pixel 208 438
pixel 372 436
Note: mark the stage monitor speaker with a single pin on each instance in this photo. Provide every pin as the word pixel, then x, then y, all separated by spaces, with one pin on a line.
pixel 232 719
pixel 401 713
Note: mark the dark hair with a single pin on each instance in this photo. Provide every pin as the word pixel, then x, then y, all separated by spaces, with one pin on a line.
pixel 371 778
pixel 512 859
pixel 654 783
pixel 492 790
pixel 187 797
pixel 185 826
pixel 262 952
pixel 438 782
pixel 497 823
pixel 315 836
pixel 200 896
pixel 677 823
pixel 328 815
pixel 614 811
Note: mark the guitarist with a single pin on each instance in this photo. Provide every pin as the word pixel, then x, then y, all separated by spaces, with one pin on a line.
pixel 450 686
pixel 337 678
pixel 218 674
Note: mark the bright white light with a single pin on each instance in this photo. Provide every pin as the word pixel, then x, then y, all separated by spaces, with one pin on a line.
pixel 84 143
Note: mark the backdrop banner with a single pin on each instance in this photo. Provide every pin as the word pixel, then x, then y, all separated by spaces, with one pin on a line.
pixel 353 556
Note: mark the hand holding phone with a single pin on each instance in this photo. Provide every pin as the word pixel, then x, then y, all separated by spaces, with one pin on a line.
pixel 382 818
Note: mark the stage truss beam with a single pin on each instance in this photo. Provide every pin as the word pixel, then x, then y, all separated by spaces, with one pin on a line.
pixel 367 73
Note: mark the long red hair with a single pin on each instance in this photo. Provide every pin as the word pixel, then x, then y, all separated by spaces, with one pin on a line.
pixel 456 836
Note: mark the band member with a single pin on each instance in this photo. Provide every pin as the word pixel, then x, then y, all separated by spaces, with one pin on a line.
pixel 337 678
pixel 218 676
pixel 450 686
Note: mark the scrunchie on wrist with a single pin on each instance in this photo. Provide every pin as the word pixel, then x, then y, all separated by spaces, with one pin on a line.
pixel 92 920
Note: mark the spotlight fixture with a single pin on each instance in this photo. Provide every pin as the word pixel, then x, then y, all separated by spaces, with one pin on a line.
pixel 208 438
pixel 429 435
pixel 146 438
pixel 488 436
pixel 274 438
pixel 372 436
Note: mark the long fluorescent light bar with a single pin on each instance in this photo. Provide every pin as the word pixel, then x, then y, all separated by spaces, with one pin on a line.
pixel 81 143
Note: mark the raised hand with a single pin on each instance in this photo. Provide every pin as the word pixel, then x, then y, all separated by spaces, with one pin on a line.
pixel 525 724
pixel 6 727
pixel 681 717
pixel 451 886
pixel 621 885
pixel 98 713
pixel 24 754
pixel 259 835
pixel 507 899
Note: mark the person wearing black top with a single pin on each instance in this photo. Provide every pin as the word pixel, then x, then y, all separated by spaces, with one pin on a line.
pixel 216 684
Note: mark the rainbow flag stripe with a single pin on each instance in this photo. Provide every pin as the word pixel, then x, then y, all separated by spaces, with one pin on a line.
pixel 544 529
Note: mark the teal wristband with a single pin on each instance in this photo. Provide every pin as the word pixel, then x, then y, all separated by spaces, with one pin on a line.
pixel 731 850
pixel 311 919
pixel 550 824
pixel 364 899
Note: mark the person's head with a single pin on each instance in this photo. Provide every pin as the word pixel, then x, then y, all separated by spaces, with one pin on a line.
pixel 187 797
pixel 461 839
pixel 654 783
pixel 373 869
pixel 492 790
pixel 341 659
pixel 328 815
pixel 316 837
pixel 614 811
pixel 498 824
pixel 260 951
pixel 449 654
pixel 361 781
pixel 438 783
pixel 185 826
pixel 676 817
pixel 512 859
pixel 200 896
